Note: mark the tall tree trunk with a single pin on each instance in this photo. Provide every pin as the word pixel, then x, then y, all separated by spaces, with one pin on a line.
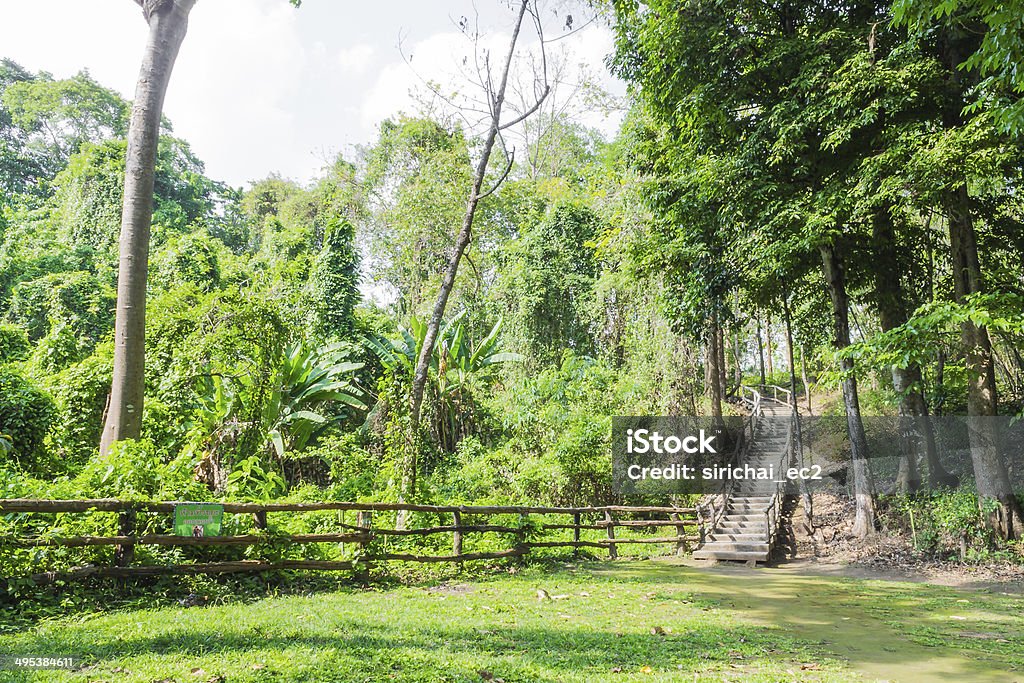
pixel 760 353
pixel 916 433
pixel 496 101
pixel 769 355
pixel 737 368
pixel 807 382
pixel 168 23
pixel 863 486
pixel 723 368
pixel 713 369
pixel 990 475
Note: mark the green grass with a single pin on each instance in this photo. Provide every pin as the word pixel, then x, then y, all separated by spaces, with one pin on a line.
pixel 625 621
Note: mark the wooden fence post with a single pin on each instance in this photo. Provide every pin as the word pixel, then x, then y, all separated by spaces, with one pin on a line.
pixel 457 534
pixel 524 518
pixel 680 533
pixel 576 534
pixel 613 553
pixel 124 553
pixel 364 520
pixel 260 519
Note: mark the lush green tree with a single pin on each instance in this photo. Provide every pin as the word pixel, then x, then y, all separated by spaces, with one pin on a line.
pixel 334 282
pixel 998 57
pixel 546 283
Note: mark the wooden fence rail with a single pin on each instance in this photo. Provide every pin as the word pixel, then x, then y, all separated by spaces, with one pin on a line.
pixel 530 534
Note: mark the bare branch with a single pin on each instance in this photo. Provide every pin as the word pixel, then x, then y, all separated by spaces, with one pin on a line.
pixel 525 115
pixel 511 161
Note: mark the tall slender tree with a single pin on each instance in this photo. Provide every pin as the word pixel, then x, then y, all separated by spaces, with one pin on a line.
pixel 495 94
pixel 168 23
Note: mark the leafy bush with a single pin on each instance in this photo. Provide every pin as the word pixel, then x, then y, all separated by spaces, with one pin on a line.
pixel 947 523
pixel 25 417
pixel 132 469
pixel 14 344
pixel 81 393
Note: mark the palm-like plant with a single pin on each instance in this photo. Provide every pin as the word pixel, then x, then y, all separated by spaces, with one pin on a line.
pixel 308 380
pixel 455 363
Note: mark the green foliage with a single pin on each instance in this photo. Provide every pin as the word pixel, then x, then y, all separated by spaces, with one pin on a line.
pixel 25 417
pixel 80 392
pixel 547 283
pixel 132 469
pixel 948 523
pixel 458 367
pixel 999 56
pixel 65 314
pixel 14 344
pixel 334 281
pixel 189 258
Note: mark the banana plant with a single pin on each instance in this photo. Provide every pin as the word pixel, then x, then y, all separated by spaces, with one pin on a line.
pixel 455 362
pixel 308 379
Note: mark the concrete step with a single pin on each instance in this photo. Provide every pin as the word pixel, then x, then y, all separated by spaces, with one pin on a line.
pixel 736 547
pixel 729 555
pixel 744 516
pixel 728 537
pixel 759 524
pixel 755 507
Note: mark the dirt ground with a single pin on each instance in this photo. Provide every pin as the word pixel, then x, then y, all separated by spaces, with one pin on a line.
pixel 830 549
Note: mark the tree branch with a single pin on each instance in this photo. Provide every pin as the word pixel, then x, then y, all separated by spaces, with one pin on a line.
pixel 508 168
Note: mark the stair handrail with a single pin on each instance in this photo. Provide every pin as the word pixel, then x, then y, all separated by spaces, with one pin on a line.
pixel 773 511
pixel 753 403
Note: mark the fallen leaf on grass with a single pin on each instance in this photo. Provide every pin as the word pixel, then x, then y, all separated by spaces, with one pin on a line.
pixel 657 631
pixel 616 669
pixel 810 667
pixel 646 670
pixel 198 672
pixel 257 667
pixel 543 594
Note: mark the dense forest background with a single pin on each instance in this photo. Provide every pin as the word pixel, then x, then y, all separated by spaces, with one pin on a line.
pixel 800 194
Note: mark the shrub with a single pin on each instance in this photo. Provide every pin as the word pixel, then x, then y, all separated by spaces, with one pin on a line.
pixel 14 344
pixel 81 392
pixel 132 469
pixel 25 417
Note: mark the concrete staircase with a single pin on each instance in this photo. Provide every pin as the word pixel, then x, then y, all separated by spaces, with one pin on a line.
pixel 741 532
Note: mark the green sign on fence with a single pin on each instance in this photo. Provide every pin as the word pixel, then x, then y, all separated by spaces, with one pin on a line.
pixel 198 519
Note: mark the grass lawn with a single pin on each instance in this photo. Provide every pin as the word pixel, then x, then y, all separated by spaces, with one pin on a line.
pixel 624 621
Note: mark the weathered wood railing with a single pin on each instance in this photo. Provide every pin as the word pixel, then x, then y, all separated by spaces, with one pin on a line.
pixel 363 534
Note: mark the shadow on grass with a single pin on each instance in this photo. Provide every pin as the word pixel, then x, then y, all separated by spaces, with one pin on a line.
pixel 362 651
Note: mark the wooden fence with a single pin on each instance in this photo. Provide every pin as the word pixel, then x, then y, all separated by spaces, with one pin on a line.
pixel 536 529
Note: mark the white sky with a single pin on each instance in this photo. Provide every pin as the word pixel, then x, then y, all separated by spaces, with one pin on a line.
pixel 261 87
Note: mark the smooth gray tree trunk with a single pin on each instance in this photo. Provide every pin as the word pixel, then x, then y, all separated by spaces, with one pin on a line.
pixel 990 474
pixel 168 23
pixel 863 484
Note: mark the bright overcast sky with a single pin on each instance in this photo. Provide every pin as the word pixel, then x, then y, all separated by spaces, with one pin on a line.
pixel 261 87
